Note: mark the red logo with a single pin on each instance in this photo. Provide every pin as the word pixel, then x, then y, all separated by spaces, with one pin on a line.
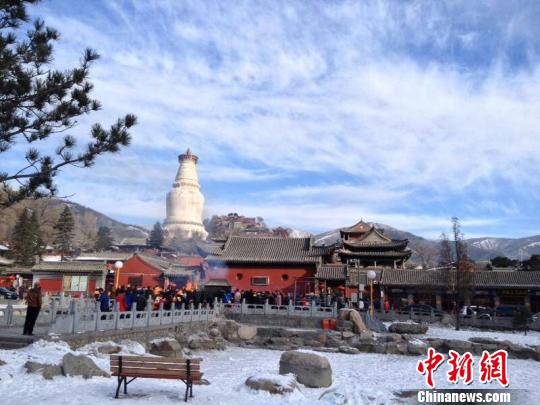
pixel 429 365
pixel 461 367
pixel 492 367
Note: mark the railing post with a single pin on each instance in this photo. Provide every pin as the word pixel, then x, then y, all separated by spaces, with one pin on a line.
pixel 266 307
pixel 243 307
pixel 98 314
pixel 334 310
pixel 52 310
pixel 160 312
pixel 9 314
pixel 148 310
pixel 73 311
pixel 290 308
pixel 133 314
pixel 312 308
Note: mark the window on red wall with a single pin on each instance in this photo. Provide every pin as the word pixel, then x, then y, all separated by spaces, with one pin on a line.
pixel 239 276
pixel 260 281
pixel 284 277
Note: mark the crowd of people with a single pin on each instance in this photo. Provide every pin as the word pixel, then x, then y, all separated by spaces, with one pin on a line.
pixel 325 298
pixel 173 298
pixel 126 297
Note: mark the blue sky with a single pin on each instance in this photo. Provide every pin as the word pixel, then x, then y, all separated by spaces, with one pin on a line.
pixel 316 114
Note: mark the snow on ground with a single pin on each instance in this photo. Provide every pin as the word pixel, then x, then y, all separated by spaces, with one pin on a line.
pixel 532 338
pixel 362 378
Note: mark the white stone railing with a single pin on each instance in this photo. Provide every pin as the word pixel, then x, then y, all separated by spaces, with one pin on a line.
pixel 84 315
pixel 283 310
pixel 90 318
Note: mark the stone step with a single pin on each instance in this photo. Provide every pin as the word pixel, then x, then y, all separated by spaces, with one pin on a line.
pixel 12 345
pixel 13 341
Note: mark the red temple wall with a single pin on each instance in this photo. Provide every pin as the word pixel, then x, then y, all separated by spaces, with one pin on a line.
pixel 279 278
pixel 136 267
pixel 51 285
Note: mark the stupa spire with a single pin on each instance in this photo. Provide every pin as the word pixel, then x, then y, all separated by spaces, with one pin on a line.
pixel 185 202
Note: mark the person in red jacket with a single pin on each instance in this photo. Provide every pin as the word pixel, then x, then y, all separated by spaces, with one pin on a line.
pixel 386 306
pixel 121 300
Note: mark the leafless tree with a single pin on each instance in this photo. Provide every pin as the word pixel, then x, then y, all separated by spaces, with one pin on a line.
pixel 427 254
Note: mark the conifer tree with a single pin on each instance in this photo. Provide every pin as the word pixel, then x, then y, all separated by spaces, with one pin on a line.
pixel 26 242
pixel 156 236
pixel 104 239
pixel 39 102
pixel 64 232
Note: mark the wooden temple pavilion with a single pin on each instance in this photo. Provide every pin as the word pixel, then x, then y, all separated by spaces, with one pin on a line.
pixel 366 246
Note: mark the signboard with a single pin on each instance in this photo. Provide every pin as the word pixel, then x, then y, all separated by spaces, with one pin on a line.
pixel 514 292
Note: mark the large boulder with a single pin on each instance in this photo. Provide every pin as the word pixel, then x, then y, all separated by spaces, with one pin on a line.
pixel 81 366
pixel 395 348
pixel 408 327
pixel 354 316
pixel 247 332
pixel 201 341
pixel 417 347
pixel 333 339
pixel 48 371
pixel 460 346
pixel 521 352
pixel 274 384
pixel 2 362
pixel 228 329
pixel 484 340
pixel 310 369
pixel 374 324
pixel 167 347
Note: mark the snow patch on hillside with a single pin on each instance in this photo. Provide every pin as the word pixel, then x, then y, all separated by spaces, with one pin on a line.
pixel 488 244
pixel 298 233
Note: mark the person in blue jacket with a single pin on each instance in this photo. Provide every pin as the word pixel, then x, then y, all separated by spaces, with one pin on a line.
pixel 104 301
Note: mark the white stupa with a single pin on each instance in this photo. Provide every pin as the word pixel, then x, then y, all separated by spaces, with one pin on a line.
pixel 185 202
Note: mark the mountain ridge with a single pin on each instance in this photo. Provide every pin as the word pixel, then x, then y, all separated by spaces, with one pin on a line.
pixel 88 220
pixel 485 248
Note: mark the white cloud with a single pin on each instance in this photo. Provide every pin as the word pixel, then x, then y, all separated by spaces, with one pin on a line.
pixel 367 94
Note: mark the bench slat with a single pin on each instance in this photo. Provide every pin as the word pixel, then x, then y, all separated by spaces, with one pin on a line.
pixel 139 372
pixel 195 360
pixel 195 381
pixel 157 366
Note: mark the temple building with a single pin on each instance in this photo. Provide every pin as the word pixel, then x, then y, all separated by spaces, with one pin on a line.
pixel 262 264
pixel 363 245
pixel 185 202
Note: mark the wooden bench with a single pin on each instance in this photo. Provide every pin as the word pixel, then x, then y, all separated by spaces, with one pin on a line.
pixel 186 370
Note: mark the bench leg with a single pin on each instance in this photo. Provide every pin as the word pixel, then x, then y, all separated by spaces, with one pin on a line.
pixel 191 389
pixel 187 391
pixel 118 387
pixel 125 385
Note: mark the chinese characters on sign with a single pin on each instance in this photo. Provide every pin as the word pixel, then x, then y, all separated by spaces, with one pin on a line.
pixel 492 367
